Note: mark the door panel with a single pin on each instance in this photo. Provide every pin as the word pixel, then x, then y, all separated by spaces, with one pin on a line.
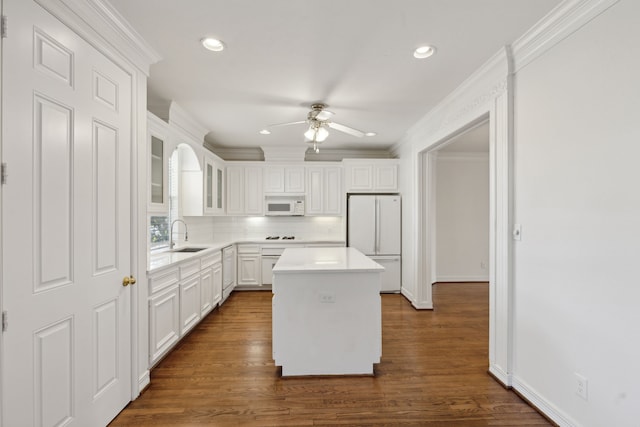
pixel 66 226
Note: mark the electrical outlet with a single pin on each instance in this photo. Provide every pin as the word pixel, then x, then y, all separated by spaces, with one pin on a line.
pixel 581 386
pixel 327 298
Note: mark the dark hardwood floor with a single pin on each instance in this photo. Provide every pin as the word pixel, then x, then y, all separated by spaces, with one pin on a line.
pixel 433 372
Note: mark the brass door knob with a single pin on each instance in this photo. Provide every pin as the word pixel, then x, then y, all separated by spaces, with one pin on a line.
pixel 130 280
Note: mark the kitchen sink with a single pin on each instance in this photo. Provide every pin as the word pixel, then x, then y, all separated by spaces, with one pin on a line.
pixel 189 249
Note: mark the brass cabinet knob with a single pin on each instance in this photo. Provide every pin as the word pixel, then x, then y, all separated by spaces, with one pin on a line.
pixel 130 280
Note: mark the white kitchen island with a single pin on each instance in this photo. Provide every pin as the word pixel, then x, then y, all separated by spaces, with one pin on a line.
pixel 326 312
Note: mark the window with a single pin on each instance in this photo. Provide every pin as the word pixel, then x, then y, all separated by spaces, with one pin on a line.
pixel 159 231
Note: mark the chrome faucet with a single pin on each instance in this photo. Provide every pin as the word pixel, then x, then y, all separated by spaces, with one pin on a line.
pixel 186 235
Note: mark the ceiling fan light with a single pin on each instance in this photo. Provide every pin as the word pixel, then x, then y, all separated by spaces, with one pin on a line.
pixel 310 134
pixel 212 44
pixel 424 52
pixel 265 132
pixel 370 134
pixel 321 134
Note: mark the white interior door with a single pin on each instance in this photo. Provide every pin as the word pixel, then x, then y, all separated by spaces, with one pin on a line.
pixel 66 230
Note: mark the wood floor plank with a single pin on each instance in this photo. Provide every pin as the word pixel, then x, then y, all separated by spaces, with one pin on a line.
pixel 433 372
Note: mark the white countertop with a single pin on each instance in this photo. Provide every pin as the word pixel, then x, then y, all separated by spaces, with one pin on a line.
pixel 159 260
pixel 296 260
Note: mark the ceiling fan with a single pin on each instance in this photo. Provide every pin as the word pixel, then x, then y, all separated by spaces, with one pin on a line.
pixel 318 121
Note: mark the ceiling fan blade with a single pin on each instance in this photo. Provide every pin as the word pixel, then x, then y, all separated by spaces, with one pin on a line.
pixel 346 129
pixel 323 115
pixel 287 124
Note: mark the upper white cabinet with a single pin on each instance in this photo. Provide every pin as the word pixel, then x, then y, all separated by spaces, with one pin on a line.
pixel 324 190
pixel 213 186
pixel 158 195
pixel 244 190
pixel 365 175
pixel 284 179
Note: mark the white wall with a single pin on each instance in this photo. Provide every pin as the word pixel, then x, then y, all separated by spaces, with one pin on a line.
pixel 577 292
pixel 569 302
pixel 223 228
pixel 462 217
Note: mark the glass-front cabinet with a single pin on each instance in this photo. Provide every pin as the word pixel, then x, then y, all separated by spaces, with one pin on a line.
pixel 213 186
pixel 157 196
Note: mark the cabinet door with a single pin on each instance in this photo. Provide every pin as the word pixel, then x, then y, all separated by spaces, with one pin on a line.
pixel 206 291
pixel 360 177
pixel 235 190
pixel 294 180
pixel 332 191
pixel 273 179
pixel 253 195
pixel 386 177
pixel 249 270
pixel 189 303
pixel 217 283
pixel 157 197
pixel 164 322
pixel 218 203
pixel 209 186
pixel 315 187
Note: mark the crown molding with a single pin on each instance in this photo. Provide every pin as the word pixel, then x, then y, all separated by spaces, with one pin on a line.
pixel 568 17
pixel 97 22
pixel 181 119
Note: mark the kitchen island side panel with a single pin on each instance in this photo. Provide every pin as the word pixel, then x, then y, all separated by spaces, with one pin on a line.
pixel 327 323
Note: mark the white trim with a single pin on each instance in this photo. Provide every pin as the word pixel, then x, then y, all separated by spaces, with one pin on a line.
pixel 144 380
pixel 181 119
pixel 556 415
pixel 462 156
pixel 456 279
pixel 104 28
pixel 567 18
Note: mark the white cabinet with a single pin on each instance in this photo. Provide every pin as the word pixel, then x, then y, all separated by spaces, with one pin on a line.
pixel 228 271
pixel 213 186
pixel 284 179
pixel 324 190
pixel 179 297
pixel 164 312
pixel 249 266
pixel 189 295
pixel 210 281
pixel 158 162
pixel 244 190
pixel 364 175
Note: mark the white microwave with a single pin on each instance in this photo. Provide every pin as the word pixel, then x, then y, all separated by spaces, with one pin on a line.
pixel 284 206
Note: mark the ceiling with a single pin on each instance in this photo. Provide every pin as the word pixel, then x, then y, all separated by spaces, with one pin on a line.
pixel 356 56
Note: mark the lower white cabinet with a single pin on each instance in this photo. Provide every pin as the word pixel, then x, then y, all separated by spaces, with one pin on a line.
pixel 249 266
pixel 164 322
pixel 179 297
pixel 189 303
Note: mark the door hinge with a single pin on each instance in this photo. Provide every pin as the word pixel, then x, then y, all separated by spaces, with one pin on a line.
pixel 5 321
pixel 3 174
pixel 3 24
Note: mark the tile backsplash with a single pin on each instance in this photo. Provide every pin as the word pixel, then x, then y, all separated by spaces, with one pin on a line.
pixel 208 229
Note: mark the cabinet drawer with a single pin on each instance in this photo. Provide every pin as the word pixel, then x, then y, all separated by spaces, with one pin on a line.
pixel 209 260
pixel 248 249
pixel 189 268
pixel 163 280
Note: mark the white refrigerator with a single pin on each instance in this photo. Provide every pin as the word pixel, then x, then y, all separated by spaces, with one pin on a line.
pixel 373 227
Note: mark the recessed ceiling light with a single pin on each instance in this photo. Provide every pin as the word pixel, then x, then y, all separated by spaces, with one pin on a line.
pixel 424 52
pixel 212 44
pixel 370 134
pixel 265 132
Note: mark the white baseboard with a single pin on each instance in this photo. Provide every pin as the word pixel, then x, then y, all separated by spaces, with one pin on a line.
pixel 441 279
pixel 548 409
pixel 144 380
